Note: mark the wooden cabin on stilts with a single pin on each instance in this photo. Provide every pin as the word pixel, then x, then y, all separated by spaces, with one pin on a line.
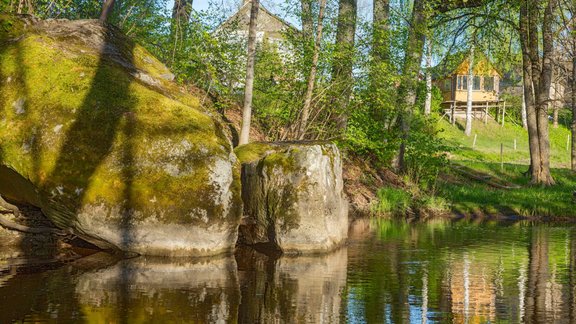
pixel 453 84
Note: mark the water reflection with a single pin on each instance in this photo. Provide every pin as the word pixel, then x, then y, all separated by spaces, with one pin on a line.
pixel 391 272
pixel 462 273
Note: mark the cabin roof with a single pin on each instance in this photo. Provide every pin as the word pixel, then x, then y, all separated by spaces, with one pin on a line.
pixel 244 11
pixel 457 63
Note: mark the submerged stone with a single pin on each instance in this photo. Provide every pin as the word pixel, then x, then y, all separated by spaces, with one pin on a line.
pixel 293 196
pixel 120 156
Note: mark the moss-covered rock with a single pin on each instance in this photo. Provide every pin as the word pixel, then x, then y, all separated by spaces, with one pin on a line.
pixel 94 133
pixel 293 196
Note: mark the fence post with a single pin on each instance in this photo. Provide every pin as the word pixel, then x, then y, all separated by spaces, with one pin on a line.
pixel 474 142
pixel 514 144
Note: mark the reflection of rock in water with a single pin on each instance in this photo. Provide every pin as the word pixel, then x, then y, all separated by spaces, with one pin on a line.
pixel 154 290
pixel 291 289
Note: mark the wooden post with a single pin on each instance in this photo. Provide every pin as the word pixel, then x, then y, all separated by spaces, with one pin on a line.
pixel 503 113
pixel 474 142
pixel 486 114
pixel 567 142
pixel 501 157
pixel 453 109
pixel 514 144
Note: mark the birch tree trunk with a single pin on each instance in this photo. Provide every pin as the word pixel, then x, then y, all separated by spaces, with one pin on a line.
pixel 303 125
pixel 249 84
pixel 106 10
pixel 428 102
pixel 470 86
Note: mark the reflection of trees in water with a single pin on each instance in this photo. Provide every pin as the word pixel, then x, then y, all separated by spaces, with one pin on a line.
pixel 473 273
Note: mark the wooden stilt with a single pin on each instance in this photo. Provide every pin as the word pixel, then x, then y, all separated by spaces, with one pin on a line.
pixel 453 108
pixel 486 114
pixel 503 113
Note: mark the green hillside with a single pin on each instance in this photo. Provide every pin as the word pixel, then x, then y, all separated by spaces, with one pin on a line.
pixel 476 184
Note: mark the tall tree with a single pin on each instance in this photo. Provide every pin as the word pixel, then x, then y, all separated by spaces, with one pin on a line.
pixel 428 101
pixel 305 115
pixel 107 7
pixel 380 34
pixel 343 59
pixel 410 69
pixel 470 89
pixel 182 10
pixel 537 79
pixel 249 84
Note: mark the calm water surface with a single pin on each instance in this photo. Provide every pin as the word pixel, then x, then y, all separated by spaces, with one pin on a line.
pixel 391 272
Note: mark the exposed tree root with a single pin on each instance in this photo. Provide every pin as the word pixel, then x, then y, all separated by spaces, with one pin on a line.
pixel 6 207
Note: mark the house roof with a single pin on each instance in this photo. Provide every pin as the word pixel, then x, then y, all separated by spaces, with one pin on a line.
pixel 243 16
pixel 457 63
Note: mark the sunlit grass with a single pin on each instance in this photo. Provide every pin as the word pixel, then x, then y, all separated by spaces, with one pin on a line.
pixel 470 197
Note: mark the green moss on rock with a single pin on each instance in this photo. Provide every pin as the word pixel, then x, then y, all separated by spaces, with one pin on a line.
pixel 113 148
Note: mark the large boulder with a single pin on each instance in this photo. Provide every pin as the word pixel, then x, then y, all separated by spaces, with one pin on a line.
pixel 293 196
pixel 94 132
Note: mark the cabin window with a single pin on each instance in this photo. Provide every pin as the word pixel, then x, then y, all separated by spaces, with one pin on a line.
pixel 462 82
pixel 489 83
pixel 476 83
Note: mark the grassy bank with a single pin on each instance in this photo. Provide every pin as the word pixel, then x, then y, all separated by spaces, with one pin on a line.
pixel 473 197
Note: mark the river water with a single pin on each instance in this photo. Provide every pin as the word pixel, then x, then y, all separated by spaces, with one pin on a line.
pixel 390 272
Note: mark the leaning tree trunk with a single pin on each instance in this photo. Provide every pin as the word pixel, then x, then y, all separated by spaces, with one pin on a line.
pixel 470 86
pixel 106 10
pixel 343 60
pixel 428 102
pixel 411 67
pixel 303 123
pixel 249 85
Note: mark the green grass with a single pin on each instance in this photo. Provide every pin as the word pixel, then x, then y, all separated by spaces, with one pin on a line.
pixel 392 201
pixel 475 198
pixel 490 136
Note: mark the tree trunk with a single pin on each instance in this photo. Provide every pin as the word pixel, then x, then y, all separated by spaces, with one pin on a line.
pixel 181 13
pixel 307 32
pixel 573 88
pixel 428 102
pixel 344 59
pixel 303 124
pixel 537 79
pixel 247 111
pixel 545 177
pixel 106 10
pixel 380 26
pixel 411 67
pixel 182 10
pixel 470 86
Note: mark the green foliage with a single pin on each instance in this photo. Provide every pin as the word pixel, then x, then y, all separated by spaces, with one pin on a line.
pixel 425 153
